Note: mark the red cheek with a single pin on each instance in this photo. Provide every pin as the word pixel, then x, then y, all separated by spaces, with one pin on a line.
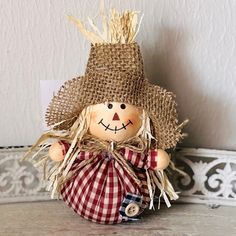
pixel 133 118
pixel 94 115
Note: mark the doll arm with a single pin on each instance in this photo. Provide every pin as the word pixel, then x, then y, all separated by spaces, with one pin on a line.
pixel 158 159
pixel 58 150
pixel 136 159
pixel 155 159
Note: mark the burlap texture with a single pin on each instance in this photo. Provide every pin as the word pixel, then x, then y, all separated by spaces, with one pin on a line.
pixel 114 73
pixel 116 58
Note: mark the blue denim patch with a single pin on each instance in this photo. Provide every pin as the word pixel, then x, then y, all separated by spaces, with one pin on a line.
pixel 130 197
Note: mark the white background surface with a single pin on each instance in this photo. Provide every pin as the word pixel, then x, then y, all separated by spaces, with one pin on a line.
pixel 48 88
pixel 188 48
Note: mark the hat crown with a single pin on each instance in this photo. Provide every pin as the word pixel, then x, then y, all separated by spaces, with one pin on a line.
pixel 121 58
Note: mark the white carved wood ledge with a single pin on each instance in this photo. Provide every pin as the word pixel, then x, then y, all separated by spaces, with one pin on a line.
pixel 210 179
pixel 19 181
pixel 211 176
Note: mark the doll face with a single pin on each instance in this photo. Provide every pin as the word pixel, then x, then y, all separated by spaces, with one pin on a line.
pixel 115 121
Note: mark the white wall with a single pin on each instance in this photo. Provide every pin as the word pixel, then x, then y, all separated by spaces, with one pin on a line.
pixel 188 47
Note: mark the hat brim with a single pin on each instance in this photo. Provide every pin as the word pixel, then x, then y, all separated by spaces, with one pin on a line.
pixel 75 95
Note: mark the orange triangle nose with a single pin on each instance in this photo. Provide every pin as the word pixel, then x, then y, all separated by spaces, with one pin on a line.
pixel 116 117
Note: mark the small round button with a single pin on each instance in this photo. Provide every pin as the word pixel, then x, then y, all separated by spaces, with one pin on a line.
pixel 132 210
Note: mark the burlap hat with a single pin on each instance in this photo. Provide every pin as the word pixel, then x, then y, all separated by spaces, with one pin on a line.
pixel 115 73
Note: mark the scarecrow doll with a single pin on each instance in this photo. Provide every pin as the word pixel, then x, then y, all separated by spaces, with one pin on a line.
pixel 109 130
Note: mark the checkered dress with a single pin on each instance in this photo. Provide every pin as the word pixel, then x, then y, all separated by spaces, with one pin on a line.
pixel 98 189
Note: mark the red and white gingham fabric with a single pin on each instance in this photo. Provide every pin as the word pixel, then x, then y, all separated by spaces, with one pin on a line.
pixel 98 189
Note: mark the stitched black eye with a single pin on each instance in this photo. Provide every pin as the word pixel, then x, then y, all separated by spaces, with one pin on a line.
pixel 109 106
pixel 122 106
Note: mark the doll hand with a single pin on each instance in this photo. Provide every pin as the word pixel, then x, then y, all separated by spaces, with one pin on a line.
pixel 163 159
pixel 56 152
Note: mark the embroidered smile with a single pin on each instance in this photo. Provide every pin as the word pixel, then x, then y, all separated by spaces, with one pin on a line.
pixel 107 127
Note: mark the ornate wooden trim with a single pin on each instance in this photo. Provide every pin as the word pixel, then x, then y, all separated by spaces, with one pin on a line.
pixel 19 181
pixel 210 177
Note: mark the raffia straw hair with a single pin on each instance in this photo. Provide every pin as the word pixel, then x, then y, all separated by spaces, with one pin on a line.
pixel 116 28
pixel 57 173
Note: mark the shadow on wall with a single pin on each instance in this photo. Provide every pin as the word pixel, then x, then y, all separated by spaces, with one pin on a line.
pixel 168 64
